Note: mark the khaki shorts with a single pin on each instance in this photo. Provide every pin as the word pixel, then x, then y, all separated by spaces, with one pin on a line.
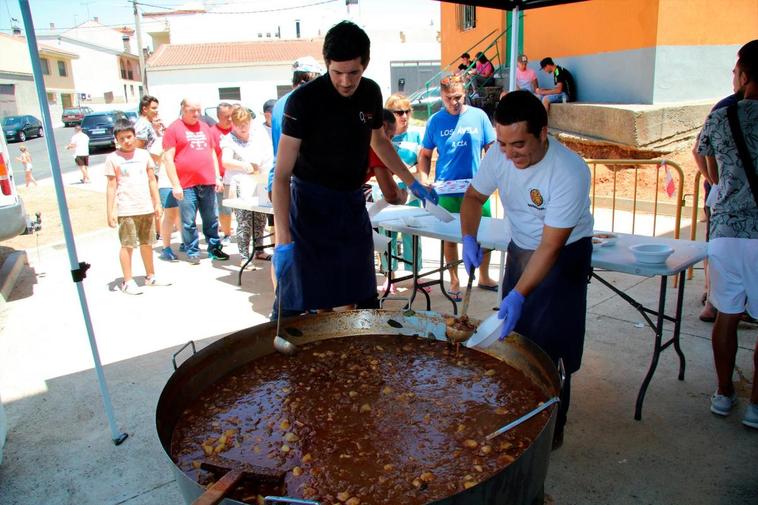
pixel 136 230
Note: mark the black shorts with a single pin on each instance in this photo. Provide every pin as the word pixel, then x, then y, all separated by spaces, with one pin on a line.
pixel 82 161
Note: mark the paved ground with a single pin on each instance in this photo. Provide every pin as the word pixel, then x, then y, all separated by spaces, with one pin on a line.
pixel 59 450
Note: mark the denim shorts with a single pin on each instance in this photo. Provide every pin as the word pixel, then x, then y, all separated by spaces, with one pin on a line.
pixel 560 97
pixel 167 198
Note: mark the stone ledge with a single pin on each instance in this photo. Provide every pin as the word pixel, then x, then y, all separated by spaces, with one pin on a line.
pixel 637 126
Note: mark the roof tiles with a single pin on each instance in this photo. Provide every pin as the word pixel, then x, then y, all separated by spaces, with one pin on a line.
pixel 189 55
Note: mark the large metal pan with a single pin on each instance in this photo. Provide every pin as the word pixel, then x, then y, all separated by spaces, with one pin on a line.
pixel 520 483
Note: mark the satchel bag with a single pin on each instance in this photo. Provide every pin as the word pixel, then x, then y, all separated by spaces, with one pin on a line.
pixel 739 141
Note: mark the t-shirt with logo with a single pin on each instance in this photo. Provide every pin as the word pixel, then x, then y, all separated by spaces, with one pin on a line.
pixel 407 146
pixel 195 148
pixel 554 192
pixel 133 188
pixel 459 141
pixel 734 213
pixel 335 131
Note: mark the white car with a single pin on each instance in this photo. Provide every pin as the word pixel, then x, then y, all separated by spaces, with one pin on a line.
pixel 13 218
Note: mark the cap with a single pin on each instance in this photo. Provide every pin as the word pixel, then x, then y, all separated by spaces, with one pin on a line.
pixel 268 105
pixel 307 64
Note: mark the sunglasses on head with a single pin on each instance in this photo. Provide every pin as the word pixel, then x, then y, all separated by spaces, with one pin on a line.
pixel 401 112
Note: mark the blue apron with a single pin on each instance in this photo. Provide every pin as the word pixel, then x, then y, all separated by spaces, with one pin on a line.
pixel 554 313
pixel 334 249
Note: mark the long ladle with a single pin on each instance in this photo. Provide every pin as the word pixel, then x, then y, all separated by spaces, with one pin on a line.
pixel 523 418
pixel 281 344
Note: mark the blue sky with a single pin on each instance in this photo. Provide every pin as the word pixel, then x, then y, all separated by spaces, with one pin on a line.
pixel 69 13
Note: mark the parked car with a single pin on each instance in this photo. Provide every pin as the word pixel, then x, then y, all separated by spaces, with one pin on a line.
pixel 425 102
pixel 74 115
pixel 132 115
pixel 22 127
pixel 99 127
pixel 13 218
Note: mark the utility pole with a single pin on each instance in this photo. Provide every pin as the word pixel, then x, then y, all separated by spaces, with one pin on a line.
pixel 142 69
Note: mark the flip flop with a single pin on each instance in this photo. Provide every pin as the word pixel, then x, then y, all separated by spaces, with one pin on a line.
pixel 263 256
pixel 455 295
pixel 486 287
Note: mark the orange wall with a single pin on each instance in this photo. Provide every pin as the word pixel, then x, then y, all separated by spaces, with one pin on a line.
pixel 590 27
pixel 705 22
pixel 455 41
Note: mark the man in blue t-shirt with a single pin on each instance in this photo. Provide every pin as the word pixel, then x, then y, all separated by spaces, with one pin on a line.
pixel 459 133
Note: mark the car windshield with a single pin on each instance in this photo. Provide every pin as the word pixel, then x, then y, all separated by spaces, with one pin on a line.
pixel 11 121
pixel 95 119
pixel 71 111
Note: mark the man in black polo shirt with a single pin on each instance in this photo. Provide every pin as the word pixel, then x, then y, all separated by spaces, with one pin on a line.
pixel 564 88
pixel 324 255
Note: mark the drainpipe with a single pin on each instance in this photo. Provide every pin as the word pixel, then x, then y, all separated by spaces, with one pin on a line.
pixel 514 48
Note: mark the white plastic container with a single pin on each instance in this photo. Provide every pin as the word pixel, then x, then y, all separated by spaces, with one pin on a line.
pixel 651 253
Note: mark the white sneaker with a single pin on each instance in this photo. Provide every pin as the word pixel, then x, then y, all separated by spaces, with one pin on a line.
pixel 152 281
pixel 131 288
pixel 721 404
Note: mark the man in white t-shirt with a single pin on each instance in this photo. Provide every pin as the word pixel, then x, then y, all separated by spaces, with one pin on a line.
pixel 544 188
pixel 80 144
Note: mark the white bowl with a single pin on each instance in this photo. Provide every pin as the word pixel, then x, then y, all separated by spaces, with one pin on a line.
pixel 608 239
pixel 651 253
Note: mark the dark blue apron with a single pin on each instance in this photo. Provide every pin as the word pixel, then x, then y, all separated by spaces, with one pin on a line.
pixel 554 313
pixel 334 250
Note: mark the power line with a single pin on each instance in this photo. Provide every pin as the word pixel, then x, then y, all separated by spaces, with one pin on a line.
pixel 262 11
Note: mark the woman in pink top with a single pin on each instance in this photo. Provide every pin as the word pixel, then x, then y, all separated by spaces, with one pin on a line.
pixel 482 74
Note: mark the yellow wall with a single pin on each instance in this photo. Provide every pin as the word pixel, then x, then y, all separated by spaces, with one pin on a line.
pixel 54 80
pixel 455 41
pixel 15 55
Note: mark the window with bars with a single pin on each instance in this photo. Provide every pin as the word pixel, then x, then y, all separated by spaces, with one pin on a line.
pixel 229 94
pixel 466 17
pixel 62 69
pixel 45 66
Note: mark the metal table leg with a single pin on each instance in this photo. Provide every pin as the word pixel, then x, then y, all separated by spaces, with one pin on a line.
pixel 657 348
pixel 250 255
pixel 678 324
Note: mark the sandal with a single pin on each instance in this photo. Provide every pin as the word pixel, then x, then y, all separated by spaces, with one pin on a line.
pixel 455 295
pixel 263 256
pixel 487 287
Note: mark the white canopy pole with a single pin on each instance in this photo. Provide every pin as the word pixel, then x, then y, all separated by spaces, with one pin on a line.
pixel 514 48
pixel 78 270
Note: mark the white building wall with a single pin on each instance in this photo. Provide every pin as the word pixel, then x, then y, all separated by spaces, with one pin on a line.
pixel 257 84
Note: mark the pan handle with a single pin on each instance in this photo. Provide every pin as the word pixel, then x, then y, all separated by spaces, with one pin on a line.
pixel 173 357
pixel 284 499
pixel 217 491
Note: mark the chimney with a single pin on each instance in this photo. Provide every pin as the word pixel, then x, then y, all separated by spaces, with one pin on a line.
pixel 16 31
pixel 52 26
pixel 96 19
pixel 125 39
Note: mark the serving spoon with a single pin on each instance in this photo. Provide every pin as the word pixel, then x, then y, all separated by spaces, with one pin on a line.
pixel 281 344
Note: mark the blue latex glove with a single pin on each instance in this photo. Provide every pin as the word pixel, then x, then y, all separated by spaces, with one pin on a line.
pixel 284 256
pixel 510 312
pixel 472 253
pixel 423 193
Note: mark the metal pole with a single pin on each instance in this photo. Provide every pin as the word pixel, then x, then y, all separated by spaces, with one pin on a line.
pixel 143 72
pixel 78 270
pixel 514 48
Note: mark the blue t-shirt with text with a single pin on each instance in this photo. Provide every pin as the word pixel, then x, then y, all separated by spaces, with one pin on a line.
pixel 459 141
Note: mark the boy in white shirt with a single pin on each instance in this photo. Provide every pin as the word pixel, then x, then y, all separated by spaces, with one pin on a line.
pixel 132 203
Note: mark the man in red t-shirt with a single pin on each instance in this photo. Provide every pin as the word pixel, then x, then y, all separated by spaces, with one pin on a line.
pixel 223 127
pixel 192 167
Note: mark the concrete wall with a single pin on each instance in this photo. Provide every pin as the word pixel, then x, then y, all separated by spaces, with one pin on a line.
pixel 257 84
pixel 694 72
pixel 26 94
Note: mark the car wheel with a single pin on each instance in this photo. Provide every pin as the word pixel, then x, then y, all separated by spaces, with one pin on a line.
pixel 21 136
pixel 40 132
